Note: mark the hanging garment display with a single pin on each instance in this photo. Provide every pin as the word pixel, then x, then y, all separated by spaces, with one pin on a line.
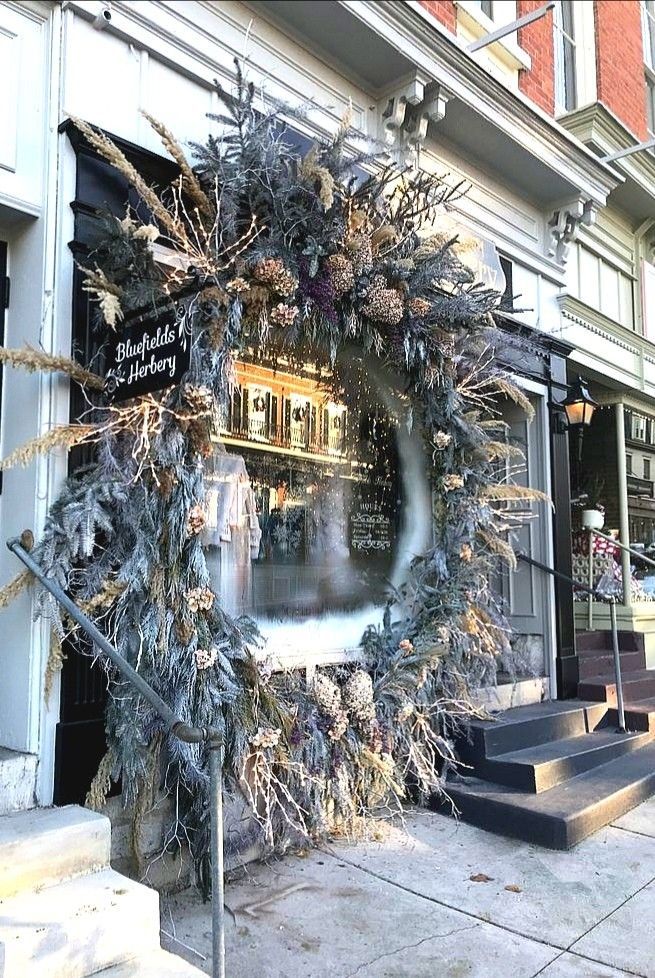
pixel 232 531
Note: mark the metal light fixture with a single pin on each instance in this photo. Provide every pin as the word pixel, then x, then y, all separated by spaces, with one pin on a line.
pixel 579 407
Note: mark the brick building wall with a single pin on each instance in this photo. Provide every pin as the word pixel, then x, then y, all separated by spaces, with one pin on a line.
pixel 620 62
pixel 537 40
pixel 442 10
pixel 619 56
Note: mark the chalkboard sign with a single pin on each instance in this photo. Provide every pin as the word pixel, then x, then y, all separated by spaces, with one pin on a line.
pixel 370 526
pixel 149 356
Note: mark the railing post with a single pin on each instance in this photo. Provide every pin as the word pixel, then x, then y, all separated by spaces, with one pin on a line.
pixel 617 666
pixel 590 582
pixel 217 872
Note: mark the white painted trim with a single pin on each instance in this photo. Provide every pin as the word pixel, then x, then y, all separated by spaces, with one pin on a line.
pixel 507 49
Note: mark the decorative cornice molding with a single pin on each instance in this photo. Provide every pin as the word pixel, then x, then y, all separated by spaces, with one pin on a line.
pixel 421 39
pixel 406 112
pixel 565 224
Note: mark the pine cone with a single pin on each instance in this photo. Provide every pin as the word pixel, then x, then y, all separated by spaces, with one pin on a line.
pixel 341 274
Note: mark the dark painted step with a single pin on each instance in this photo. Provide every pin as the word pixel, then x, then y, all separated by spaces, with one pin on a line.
pixel 602 641
pixel 566 814
pixel 540 768
pixel 529 726
pixel 637 685
pixel 602 663
pixel 639 716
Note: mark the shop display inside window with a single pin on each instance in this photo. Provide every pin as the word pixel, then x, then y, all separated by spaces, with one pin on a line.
pixel 305 501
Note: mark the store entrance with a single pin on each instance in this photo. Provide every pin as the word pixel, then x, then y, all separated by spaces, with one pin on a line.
pixel 527 592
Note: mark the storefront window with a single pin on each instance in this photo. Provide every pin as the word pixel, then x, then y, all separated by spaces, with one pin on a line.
pixel 306 501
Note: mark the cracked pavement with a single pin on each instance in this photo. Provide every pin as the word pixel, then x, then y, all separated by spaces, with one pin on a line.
pixel 434 898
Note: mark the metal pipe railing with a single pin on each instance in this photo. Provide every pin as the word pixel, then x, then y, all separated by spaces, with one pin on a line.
pixel 617 543
pixel 183 731
pixel 602 596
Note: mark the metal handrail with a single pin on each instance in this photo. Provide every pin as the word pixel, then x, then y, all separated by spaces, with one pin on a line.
pixel 183 731
pixel 624 546
pixel 602 596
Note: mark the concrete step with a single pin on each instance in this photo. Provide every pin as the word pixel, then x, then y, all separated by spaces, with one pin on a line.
pixel 602 663
pixel 637 685
pixel 602 640
pixel 639 716
pixel 529 726
pixel 564 815
pixel 17 781
pixel 540 768
pixel 79 927
pixel 46 846
pixel 162 964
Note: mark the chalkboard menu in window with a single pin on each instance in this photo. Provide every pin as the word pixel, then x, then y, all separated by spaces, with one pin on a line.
pixel 371 525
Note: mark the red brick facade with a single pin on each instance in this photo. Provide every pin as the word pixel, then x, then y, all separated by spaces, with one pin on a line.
pixel 442 10
pixel 620 62
pixel 619 56
pixel 537 40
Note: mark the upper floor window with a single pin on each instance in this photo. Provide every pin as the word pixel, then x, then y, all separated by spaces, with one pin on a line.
pixel 565 56
pixel 487 8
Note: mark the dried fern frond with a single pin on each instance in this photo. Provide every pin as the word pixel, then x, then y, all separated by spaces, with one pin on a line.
pixel 11 591
pixel 311 171
pixel 110 151
pixel 65 437
pixel 101 784
pixel 189 178
pixel 496 545
pixel 54 664
pixel 503 385
pixel 32 360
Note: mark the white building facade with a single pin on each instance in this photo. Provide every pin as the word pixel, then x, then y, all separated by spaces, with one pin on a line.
pixel 534 191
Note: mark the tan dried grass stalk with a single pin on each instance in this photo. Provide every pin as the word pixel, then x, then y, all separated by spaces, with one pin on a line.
pixel 189 179
pixel 53 665
pixel 501 449
pixel 11 591
pixel 498 546
pixel 311 171
pixel 504 386
pixel 100 786
pixel 507 493
pixel 32 360
pixel 105 597
pixel 65 437
pixel 113 155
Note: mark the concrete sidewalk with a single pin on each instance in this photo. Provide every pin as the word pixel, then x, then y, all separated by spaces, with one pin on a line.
pixel 409 906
